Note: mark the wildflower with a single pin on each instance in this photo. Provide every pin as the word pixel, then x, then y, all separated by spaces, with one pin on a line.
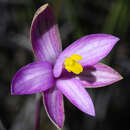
pixel 67 72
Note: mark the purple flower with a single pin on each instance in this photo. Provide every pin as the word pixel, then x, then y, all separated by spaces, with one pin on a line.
pixel 67 72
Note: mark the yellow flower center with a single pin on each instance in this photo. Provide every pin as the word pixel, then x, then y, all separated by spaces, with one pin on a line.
pixel 71 64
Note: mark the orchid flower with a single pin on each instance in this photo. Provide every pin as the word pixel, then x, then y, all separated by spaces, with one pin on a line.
pixel 68 72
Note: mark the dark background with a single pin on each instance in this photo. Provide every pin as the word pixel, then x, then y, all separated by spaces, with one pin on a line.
pixel 75 18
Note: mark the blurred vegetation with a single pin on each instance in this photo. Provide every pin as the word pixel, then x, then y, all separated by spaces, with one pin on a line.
pixel 75 19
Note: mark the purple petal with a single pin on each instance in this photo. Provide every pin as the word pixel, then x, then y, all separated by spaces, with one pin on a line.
pixel 92 48
pixel 53 101
pixel 98 75
pixel 33 78
pixel 45 35
pixel 76 94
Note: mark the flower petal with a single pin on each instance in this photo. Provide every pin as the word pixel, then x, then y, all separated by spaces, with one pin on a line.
pixel 53 101
pixel 33 78
pixel 98 75
pixel 76 94
pixel 91 48
pixel 45 35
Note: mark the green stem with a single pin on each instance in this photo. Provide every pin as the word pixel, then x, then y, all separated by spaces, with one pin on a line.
pixel 37 112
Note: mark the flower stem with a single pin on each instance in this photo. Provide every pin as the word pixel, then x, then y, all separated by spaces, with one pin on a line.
pixel 59 128
pixel 37 112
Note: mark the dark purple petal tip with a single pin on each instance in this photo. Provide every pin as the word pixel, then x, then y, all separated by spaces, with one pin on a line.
pixel 45 36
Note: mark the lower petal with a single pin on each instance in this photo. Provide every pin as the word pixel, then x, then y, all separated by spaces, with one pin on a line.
pixel 53 101
pixel 76 94
pixel 33 78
